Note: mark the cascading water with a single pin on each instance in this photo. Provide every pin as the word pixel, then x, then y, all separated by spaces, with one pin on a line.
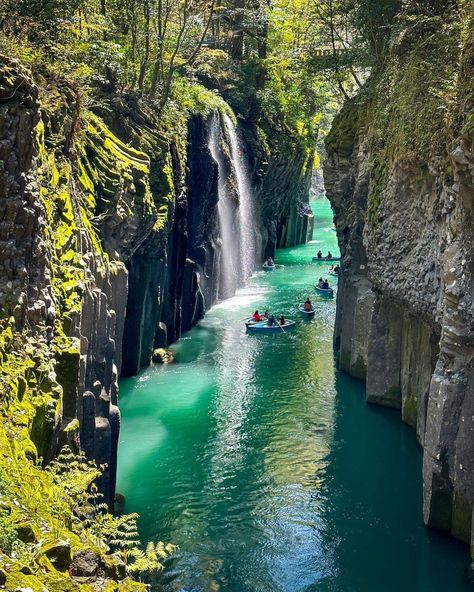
pixel 229 260
pixel 235 209
pixel 246 212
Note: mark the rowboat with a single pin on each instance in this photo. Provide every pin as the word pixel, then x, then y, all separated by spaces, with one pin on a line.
pixel 306 313
pixel 268 267
pixel 333 273
pixel 324 291
pixel 250 321
pixel 267 329
pixel 325 259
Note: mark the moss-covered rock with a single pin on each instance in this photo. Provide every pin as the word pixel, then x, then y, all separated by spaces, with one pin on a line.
pixel 162 356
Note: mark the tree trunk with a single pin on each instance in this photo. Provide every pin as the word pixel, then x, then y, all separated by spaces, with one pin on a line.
pixel 237 28
pixel 146 55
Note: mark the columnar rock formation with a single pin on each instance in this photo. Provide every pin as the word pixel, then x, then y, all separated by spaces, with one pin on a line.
pixel 404 207
pixel 110 247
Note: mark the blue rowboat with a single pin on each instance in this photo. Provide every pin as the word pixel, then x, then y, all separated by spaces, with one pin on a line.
pixel 324 291
pixel 266 329
pixel 268 267
pixel 325 259
pixel 306 313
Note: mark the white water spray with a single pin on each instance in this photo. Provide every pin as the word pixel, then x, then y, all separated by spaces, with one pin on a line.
pixel 237 220
pixel 226 212
pixel 246 213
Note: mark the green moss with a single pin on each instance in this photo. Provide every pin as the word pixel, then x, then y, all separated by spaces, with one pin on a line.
pixel 410 410
pixel 67 371
pixel 462 518
pixel 44 424
pixel 194 98
pixel 342 137
pixel 359 368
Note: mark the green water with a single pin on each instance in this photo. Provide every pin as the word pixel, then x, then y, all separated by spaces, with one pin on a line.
pixel 265 465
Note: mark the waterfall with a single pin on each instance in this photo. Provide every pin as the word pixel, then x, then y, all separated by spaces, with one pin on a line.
pixel 246 212
pixel 226 212
pixel 235 209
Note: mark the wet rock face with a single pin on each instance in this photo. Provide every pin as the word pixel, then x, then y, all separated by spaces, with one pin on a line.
pixel 405 313
pixel 57 287
pixel 110 245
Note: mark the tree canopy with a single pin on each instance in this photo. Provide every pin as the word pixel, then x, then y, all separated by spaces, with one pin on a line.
pixel 292 59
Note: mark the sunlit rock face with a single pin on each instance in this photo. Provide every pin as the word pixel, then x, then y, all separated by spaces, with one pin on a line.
pixel 405 303
pixel 113 245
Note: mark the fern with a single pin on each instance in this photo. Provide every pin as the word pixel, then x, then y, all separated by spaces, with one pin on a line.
pixel 115 535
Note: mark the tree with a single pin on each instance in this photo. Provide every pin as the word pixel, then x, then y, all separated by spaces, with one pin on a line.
pixel 181 28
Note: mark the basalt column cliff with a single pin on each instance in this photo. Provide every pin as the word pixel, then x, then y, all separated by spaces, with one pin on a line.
pixel 111 246
pixel 400 176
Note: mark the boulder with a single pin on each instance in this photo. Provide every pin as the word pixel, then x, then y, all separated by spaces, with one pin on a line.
pixel 162 356
pixel 59 553
pixel 85 564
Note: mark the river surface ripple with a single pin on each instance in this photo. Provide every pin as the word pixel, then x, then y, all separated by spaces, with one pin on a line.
pixel 266 466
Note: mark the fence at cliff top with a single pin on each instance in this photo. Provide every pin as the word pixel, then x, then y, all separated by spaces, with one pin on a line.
pixel 236 212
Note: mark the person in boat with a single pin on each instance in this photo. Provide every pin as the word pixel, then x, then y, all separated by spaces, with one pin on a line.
pixel 270 262
pixel 329 255
pixel 307 305
pixel 320 282
pixel 281 320
pixel 336 269
pixel 271 321
pixel 325 285
pixel 319 255
pixel 266 314
pixel 256 316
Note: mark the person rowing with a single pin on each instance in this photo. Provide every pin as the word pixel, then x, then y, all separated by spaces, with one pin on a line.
pixel 271 321
pixel 325 285
pixel 308 307
pixel 281 320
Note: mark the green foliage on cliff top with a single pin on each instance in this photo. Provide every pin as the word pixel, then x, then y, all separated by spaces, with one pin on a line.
pixel 410 108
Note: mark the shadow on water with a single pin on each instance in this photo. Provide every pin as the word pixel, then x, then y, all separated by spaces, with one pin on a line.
pixel 373 506
pixel 266 466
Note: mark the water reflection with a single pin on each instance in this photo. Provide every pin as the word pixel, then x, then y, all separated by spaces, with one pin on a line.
pixel 266 466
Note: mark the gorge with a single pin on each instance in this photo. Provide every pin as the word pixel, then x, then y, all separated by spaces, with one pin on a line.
pixel 151 158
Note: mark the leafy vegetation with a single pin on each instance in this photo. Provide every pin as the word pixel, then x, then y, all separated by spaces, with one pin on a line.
pixel 409 107
pixel 283 68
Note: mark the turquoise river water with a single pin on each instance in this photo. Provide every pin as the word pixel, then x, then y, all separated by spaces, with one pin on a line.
pixel 266 466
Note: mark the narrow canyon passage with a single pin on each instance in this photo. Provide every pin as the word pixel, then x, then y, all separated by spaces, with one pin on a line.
pixel 265 465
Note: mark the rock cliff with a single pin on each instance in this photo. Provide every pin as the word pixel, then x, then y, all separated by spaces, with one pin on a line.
pixel 400 176
pixel 110 247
